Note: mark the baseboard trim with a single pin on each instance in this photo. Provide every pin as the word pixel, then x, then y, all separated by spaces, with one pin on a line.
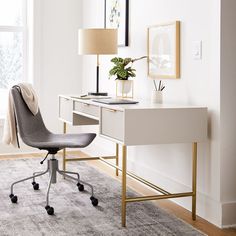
pixel 36 153
pixel 229 214
pixel 229 226
pixel 16 154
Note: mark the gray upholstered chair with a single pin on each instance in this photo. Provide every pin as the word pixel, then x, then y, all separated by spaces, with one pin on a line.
pixel 34 133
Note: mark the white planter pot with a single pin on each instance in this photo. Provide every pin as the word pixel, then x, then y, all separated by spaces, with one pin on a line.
pixel 124 88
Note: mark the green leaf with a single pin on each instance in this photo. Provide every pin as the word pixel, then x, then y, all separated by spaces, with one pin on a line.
pixel 114 70
pixel 123 74
pixel 117 60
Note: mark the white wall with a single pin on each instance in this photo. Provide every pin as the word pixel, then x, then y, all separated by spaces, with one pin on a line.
pixel 170 165
pixel 56 64
pixel 60 63
pixel 228 112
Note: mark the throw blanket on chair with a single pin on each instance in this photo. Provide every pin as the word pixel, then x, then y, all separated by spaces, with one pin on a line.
pixel 31 100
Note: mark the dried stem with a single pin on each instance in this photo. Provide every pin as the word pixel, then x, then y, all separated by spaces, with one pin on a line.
pixel 139 58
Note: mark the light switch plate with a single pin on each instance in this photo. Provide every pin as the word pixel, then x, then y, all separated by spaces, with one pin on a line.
pixel 197 50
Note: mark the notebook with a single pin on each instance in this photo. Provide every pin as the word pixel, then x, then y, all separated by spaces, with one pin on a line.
pixel 89 97
pixel 115 101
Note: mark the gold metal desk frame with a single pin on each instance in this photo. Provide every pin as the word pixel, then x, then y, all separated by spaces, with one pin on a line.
pixel 123 169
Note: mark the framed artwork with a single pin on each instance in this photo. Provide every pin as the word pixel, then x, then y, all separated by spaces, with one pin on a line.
pixel 117 16
pixel 164 51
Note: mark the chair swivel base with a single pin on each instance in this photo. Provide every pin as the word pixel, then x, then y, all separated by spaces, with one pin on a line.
pixel 52 169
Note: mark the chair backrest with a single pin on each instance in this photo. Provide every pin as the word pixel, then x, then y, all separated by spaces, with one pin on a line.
pixel 28 124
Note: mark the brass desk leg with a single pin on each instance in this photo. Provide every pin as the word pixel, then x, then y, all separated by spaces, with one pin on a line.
pixel 64 150
pixel 123 201
pixel 117 158
pixel 194 179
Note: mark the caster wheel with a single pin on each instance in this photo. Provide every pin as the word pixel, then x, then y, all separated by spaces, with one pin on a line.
pixel 80 187
pixel 35 186
pixel 13 198
pixel 50 210
pixel 94 201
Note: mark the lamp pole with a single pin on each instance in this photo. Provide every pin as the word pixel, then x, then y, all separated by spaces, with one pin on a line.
pixel 97 93
pixel 97 88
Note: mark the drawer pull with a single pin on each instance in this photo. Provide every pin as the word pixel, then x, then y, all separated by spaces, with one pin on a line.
pixel 86 104
pixel 110 110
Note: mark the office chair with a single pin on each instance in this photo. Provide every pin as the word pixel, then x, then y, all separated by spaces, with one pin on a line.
pixel 34 133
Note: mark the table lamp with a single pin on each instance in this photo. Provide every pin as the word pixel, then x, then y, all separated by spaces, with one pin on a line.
pixel 97 42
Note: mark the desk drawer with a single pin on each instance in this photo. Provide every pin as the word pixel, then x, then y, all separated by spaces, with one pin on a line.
pixel 87 108
pixel 112 123
pixel 65 109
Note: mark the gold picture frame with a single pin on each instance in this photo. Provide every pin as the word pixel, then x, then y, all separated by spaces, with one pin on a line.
pixel 163 50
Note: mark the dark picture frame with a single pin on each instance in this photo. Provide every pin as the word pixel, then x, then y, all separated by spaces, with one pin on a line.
pixel 116 15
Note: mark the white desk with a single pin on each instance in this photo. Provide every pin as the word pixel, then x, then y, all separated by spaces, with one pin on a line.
pixel 139 124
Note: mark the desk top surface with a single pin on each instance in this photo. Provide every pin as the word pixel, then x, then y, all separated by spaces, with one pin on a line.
pixel 143 104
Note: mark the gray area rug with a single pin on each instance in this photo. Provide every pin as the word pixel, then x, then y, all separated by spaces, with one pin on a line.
pixel 74 213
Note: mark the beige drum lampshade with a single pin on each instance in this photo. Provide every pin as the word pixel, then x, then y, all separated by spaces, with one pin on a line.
pixel 97 41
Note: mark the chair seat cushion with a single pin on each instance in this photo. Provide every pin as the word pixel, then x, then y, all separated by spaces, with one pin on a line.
pixel 59 141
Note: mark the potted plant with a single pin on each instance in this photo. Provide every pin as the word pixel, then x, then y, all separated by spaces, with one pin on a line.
pixel 123 70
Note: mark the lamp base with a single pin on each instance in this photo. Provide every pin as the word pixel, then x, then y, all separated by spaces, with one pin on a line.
pixel 97 94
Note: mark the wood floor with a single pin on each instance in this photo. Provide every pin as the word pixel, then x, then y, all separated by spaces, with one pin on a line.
pixel 167 205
